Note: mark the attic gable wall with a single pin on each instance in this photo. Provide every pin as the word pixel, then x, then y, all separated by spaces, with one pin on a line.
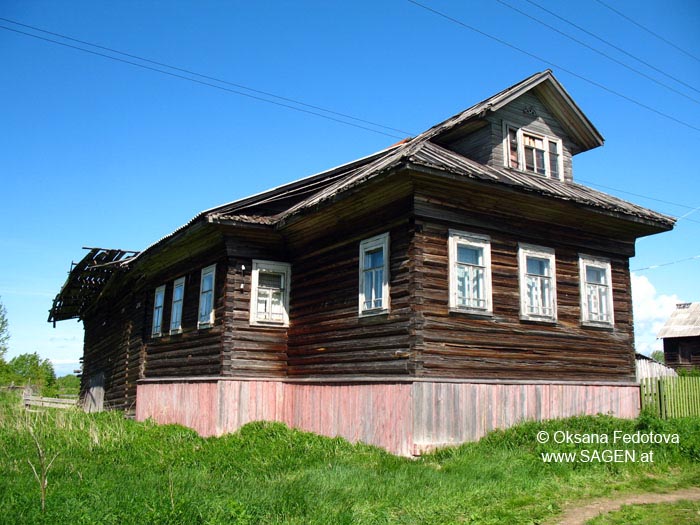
pixel 486 144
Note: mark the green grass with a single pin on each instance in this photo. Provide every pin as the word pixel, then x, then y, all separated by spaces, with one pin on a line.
pixel 658 514
pixel 111 470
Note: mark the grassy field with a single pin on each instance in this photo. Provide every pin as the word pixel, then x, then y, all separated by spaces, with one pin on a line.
pixel 109 470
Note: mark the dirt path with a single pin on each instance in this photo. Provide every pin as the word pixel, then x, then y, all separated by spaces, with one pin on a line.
pixel 580 515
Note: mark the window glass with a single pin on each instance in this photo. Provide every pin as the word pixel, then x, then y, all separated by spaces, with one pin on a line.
pixel 596 291
pixel 176 310
pixel 374 278
pixel 158 301
pixel 206 297
pixel 537 283
pixel 270 293
pixel 470 273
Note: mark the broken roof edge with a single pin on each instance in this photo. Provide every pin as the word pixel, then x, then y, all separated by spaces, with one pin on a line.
pixel 78 291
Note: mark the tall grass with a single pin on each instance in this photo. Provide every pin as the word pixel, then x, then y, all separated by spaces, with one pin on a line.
pixel 112 470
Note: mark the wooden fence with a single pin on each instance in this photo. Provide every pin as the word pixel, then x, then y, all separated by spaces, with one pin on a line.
pixel 52 402
pixel 672 396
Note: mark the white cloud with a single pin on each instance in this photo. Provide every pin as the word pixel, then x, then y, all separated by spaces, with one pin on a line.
pixel 651 311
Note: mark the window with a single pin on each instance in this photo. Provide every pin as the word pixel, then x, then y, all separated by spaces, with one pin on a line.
pixel 538 287
pixel 176 310
pixel 206 297
pixel 158 300
pixel 533 152
pixel 374 275
pixel 470 272
pixel 269 299
pixel 596 291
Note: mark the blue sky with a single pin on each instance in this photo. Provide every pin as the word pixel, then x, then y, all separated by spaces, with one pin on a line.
pixel 96 152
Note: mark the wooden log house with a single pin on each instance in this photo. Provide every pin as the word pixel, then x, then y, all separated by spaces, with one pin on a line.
pixel 453 283
pixel 681 336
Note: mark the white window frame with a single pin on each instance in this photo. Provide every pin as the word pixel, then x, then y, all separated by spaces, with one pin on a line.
pixel 282 268
pixel 379 241
pixel 210 322
pixel 539 252
pixel 604 264
pixel 471 240
pixel 157 323
pixel 177 307
pixel 520 132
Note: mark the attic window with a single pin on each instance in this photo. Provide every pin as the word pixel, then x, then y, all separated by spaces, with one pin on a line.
pixel 532 152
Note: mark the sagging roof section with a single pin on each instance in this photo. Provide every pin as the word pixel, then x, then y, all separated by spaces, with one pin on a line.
pixel 86 280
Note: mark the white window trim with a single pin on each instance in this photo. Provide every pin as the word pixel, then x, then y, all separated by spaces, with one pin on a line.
pixel 205 271
pixel 274 267
pixel 177 284
pixel 600 262
pixel 521 150
pixel 482 242
pixel 379 241
pixel 541 252
pixel 159 291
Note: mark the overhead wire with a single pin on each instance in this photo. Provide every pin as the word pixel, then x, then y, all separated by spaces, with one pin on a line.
pixel 655 266
pixel 210 84
pixel 616 47
pixel 684 217
pixel 693 209
pixel 555 65
pixel 601 53
pixel 653 33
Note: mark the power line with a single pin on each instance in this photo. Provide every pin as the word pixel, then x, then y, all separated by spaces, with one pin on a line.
pixel 618 48
pixel 209 84
pixel 655 266
pixel 557 66
pixel 602 53
pixel 684 217
pixel 648 30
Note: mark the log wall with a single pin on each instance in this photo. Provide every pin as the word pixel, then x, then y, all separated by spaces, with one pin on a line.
pixel 327 337
pixel 502 346
pixel 194 351
pixel 112 352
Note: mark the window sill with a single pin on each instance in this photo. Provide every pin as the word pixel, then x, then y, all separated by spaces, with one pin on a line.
pixel 538 320
pixel 204 326
pixel 271 324
pixel 374 313
pixel 470 312
pixel 598 325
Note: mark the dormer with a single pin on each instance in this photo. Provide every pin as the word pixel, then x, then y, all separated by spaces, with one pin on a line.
pixel 533 127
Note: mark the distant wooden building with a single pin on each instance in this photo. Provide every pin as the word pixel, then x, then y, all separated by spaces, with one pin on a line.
pixel 649 367
pixel 452 283
pixel 681 335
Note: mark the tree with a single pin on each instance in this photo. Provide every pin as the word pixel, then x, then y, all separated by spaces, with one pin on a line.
pixel 658 355
pixel 31 369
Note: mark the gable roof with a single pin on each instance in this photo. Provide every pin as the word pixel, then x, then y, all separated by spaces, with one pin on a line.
pixel 684 322
pixel 552 94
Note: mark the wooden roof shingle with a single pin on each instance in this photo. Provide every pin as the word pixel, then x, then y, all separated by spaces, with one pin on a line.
pixel 684 322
